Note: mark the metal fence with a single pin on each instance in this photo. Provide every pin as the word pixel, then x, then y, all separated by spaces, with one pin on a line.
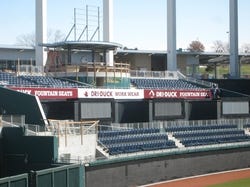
pixel 162 124
pixel 62 176
pixel 15 181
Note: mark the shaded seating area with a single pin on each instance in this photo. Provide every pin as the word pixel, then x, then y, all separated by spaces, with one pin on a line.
pixel 49 81
pixel 9 79
pixel 143 83
pixel 134 140
pixel 208 134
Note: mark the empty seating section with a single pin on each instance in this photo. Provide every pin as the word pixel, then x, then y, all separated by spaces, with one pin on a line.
pixel 9 79
pixel 49 81
pixel 208 134
pixel 163 84
pixel 12 80
pixel 134 140
pixel 247 125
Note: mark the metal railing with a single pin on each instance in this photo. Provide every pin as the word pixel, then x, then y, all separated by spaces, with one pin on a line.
pixel 162 124
pixel 168 75
pixel 12 120
pixel 196 81
pixel 154 74
pixel 63 128
pixel 17 180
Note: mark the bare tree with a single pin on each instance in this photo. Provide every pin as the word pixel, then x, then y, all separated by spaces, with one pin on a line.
pixel 26 40
pixel 55 36
pixel 196 46
pixel 220 47
pixel 245 48
pixel 30 39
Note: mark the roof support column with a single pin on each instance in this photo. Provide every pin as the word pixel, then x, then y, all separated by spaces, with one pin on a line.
pixel 234 62
pixel 41 32
pixel 108 28
pixel 171 35
pixel 69 55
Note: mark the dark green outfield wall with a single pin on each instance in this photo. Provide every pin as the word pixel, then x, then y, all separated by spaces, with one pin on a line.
pixel 20 153
pixel 17 103
pixel 236 85
pixel 31 161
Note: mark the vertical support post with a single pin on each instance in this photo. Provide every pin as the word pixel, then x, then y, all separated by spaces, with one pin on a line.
pixel 219 103
pixel 87 26
pixel 171 36
pixel 151 111
pixel 116 116
pixel 75 24
pixel 234 61
pixel 65 133
pixel 81 134
pixel 41 32
pixel 18 67
pixel 108 28
pixel 98 9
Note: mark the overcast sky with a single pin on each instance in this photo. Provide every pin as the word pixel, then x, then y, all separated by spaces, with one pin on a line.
pixel 137 23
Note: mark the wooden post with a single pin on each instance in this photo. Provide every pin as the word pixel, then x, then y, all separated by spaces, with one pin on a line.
pixel 81 134
pixel 65 125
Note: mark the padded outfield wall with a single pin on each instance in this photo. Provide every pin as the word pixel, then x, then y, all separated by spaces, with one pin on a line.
pixel 160 167
pixel 127 111
pixel 17 103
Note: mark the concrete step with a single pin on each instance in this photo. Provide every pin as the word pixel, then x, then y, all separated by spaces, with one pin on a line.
pixel 177 142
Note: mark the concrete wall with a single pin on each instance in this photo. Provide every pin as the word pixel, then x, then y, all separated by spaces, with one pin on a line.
pixel 140 62
pixel 14 54
pixel 144 171
pixel 182 63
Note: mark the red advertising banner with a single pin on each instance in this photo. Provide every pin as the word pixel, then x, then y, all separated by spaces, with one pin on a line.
pixel 178 94
pixel 49 93
pixel 74 93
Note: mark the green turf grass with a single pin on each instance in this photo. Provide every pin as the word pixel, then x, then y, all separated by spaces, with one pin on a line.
pixel 235 183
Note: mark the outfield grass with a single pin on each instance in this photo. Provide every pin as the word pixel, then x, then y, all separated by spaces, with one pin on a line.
pixel 224 69
pixel 236 183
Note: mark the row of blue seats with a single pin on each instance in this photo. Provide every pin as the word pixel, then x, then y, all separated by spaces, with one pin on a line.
pixel 214 140
pixel 110 133
pixel 198 127
pixel 12 80
pixel 133 138
pixel 129 148
pixel 215 136
pixel 207 133
pixel 163 84
pixel 246 125
pixel 45 81
pixel 49 81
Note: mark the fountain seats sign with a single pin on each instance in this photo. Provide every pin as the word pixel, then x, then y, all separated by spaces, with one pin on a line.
pixel 177 94
pixel 74 93
pixel 49 93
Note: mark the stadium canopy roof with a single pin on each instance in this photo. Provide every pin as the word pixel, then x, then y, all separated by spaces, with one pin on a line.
pixel 16 47
pixel 84 45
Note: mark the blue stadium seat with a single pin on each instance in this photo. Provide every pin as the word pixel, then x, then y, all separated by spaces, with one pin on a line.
pixel 157 83
pixel 134 140
pixel 208 134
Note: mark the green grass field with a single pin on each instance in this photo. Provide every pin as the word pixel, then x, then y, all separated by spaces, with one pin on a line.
pixel 224 69
pixel 236 183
